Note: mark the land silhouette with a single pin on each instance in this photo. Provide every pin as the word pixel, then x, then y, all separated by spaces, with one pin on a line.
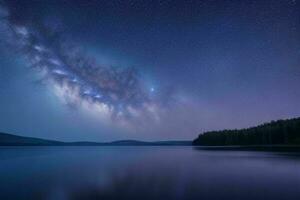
pixel 16 140
pixel 281 132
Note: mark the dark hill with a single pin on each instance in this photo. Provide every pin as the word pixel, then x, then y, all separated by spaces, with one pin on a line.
pixel 15 140
pixel 281 132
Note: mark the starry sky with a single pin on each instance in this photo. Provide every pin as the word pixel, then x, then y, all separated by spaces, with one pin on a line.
pixel 147 70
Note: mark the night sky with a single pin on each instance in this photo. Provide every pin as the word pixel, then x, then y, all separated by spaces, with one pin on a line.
pixel 148 70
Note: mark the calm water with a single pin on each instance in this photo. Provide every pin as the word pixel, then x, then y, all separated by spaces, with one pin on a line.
pixel 146 173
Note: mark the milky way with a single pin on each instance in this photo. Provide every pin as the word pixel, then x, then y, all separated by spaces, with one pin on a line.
pixel 198 66
pixel 116 93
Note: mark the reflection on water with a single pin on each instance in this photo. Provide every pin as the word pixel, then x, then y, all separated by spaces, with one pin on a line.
pixel 146 173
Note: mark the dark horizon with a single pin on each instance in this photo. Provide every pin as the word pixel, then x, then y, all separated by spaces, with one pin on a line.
pixel 10 139
pixel 146 70
pixel 9 136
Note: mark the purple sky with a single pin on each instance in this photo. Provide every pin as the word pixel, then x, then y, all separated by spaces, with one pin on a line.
pixel 149 70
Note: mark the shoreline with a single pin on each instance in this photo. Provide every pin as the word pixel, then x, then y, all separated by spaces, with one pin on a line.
pixel 279 148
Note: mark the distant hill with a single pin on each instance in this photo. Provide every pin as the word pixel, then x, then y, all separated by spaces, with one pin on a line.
pixel 15 140
pixel 281 132
pixel 130 143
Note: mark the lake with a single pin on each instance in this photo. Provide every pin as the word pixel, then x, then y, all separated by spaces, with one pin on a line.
pixel 146 172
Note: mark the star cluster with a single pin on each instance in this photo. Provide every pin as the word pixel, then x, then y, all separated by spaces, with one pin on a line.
pixel 118 94
pixel 197 66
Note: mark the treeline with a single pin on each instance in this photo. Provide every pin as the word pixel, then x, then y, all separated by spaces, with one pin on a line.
pixel 281 132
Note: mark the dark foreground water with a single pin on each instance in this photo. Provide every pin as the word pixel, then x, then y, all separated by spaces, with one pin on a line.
pixel 146 173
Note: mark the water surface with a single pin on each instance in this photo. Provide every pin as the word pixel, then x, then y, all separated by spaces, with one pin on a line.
pixel 63 173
